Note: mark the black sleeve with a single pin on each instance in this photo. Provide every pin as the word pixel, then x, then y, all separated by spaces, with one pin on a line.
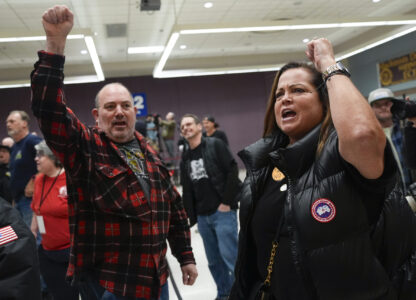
pixel 19 266
pixel 188 196
pixel 5 191
pixel 229 165
pixel 394 240
pixel 386 180
pixel 376 189
pixel 409 146
pixel 223 137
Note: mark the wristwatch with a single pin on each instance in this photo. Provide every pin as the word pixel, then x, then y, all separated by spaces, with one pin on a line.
pixel 338 68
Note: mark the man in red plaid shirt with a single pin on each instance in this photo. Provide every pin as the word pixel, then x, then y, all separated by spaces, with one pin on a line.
pixel 122 205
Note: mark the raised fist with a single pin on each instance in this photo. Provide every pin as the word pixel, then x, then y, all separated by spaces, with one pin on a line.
pixel 57 22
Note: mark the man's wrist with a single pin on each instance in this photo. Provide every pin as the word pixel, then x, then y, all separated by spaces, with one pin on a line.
pixel 56 46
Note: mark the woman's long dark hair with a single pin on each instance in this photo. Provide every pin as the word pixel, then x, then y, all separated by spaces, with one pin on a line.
pixel 270 124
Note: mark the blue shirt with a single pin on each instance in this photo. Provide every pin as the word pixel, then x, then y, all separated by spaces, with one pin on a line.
pixel 22 164
pixel 397 139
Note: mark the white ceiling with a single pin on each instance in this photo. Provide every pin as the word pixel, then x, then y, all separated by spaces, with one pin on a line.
pixel 209 51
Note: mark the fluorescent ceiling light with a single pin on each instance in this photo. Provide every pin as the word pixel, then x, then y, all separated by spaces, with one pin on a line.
pixel 375 44
pixel 305 40
pixel 159 73
pixel 94 57
pixel 296 27
pixel 37 38
pixel 12 86
pixel 218 71
pixel 182 47
pixel 79 79
pixel 169 47
pixel 208 4
pixel 68 80
pixel 83 52
pixel 151 49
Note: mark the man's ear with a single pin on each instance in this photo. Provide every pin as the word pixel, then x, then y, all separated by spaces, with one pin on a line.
pixel 199 126
pixel 94 113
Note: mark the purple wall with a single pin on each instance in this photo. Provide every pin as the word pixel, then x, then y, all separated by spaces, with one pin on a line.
pixel 236 101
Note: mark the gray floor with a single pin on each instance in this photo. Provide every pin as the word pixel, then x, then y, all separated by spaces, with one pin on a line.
pixel 204 287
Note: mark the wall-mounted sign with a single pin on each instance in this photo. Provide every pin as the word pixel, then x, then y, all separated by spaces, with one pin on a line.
pixel 398 70
pixel 140 103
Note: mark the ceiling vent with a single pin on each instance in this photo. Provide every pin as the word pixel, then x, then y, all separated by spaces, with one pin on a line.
pixel 149 5
pixel 116 30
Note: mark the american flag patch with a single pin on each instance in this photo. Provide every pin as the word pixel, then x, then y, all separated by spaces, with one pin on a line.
pixel 7 235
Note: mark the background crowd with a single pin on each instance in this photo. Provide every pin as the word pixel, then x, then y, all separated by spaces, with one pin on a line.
pixel 330 185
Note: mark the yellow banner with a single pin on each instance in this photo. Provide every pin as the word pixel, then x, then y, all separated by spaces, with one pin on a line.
pixel 398 70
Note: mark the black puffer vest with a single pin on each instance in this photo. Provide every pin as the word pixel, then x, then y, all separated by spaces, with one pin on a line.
pixel 335 259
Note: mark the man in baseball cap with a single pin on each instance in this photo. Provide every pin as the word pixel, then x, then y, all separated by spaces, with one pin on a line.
pixel 381 101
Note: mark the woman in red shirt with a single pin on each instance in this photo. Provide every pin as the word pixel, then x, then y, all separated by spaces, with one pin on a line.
pixel 50 218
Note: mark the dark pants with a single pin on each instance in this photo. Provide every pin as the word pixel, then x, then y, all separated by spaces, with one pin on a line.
pixel 90 289
pixel 53 266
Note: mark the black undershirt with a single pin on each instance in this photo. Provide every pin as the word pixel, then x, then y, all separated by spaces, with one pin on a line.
pixel 207 198
pixel 286 283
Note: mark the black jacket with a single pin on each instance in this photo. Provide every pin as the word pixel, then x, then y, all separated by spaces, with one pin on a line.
pixel 5 191
pixel 222 171
pixel 360 254
pixel 19 266
pixel 409 146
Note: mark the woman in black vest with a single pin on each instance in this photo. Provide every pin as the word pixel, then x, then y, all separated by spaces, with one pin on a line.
pixel 321 216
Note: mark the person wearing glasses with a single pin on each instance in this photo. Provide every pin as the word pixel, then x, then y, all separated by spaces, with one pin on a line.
pixel 50 219
pixel 322 214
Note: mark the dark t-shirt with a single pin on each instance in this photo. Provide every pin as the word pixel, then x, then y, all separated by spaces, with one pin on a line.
pixel 22 164
pixel 133 155
pixel 268 213
pixel 219 135
pixel 207 198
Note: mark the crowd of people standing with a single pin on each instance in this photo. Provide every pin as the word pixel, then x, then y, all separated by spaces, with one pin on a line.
pixel 323 210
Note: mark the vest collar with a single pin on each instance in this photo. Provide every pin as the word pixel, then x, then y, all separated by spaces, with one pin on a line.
pixel 301 154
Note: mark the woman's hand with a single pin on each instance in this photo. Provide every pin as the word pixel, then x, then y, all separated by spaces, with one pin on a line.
pixel 320 52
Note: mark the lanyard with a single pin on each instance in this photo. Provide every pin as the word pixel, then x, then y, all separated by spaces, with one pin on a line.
pixel 42 198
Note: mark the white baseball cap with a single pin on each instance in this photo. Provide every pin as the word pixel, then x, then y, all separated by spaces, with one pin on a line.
pixel 380 94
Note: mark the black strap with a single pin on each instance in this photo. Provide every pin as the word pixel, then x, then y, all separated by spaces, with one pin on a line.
pixel 42 198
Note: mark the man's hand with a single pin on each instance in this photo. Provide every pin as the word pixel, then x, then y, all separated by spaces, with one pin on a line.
pixel 223 208
pixel 320 52
pixel 189 274
pixel 57 22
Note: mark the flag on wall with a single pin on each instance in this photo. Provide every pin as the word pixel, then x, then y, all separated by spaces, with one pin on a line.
pixel 7 235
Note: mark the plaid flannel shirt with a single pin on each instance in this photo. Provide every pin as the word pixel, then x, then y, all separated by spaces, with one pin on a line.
pixel 116 233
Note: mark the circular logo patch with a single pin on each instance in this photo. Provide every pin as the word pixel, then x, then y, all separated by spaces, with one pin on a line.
pixel 323 210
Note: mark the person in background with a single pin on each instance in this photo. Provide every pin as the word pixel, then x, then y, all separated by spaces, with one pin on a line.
pixel 381 101
pixel 5 174
pixel 322 214
pixel 7 141
pixel 152 132
pixel 168 134
pixel 122 206
pixel 22 162
pixel 140 126
pixel 19 265
pixel 209 175
pixel 50 218
pixel 211 129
